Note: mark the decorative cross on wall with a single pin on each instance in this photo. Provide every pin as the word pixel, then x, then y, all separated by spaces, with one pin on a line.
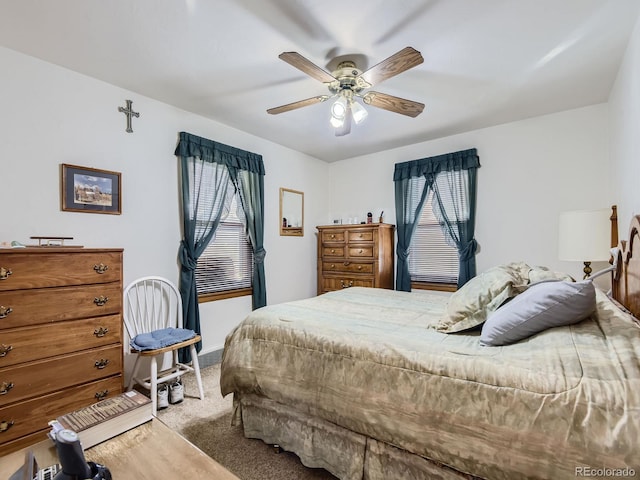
pixel 128 111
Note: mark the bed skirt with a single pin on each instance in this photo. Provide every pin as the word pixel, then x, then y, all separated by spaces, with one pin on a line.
pixel 321 444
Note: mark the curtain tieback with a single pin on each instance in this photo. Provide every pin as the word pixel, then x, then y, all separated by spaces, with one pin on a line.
pixel 186 259
pixel 258 255
pixel 469 250
pixel 402 253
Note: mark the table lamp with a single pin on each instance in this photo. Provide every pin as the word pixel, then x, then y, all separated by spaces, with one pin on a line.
pixel 584 236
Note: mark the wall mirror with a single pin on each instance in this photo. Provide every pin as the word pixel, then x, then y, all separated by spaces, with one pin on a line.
pixel 291 212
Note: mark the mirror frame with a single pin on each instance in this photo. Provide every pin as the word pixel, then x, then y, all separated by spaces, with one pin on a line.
pixel 291 231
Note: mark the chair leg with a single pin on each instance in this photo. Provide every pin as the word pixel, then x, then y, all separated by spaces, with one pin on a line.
pixel 196 369
pixel 176 360
pixel 134 372
pixel 154 384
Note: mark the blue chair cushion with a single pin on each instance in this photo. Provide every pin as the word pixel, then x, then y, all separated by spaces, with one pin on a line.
pixel 161 338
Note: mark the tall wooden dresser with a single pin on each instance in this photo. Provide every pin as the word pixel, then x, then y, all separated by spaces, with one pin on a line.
pixel 355 256
pixel 60 336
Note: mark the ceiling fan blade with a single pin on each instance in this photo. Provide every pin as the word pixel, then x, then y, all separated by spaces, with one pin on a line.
pixel 397 63
pixel 393 104
pixel 345 129
pixel 299 104
pixel 306 66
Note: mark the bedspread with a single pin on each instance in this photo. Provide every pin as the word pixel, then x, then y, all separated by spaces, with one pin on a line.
pixel 371 361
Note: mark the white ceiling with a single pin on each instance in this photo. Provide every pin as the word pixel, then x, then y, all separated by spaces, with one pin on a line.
pixel 486 61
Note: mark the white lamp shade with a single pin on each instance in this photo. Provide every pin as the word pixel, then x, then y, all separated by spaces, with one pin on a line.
pixel 336 122
pixel 584 236
pixel 339 108
pixel 359 112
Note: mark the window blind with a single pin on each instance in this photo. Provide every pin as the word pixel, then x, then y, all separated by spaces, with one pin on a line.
pixel 227 262
pixel 431 258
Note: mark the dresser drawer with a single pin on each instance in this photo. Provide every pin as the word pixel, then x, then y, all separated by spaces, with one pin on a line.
pixel 33 343
pixel 35 414
pixel 38 269
pixel 366 252
pixel 338 283
pixel 46 305
pixel 350 267
pixel 46 376
pixel 333 236
pixel 333 251
pixel 361 236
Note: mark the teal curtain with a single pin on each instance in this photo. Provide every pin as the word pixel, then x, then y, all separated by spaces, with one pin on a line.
pixel 455 195
pixel 407 214
pixel 250 185
pixel 206 163
pixel 437 173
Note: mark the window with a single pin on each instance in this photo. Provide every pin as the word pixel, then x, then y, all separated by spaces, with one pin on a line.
pixel 225 268
pixel 432 261
pixel 423 257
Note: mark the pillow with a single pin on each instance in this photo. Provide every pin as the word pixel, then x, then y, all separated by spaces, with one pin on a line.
pixel 542 274
pixel 542 306
pixel 483 294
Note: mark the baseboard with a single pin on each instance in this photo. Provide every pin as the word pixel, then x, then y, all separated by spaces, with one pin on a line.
pixel 210 358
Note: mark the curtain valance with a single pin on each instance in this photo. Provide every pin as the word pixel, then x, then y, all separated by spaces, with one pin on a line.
pixel 210 151
pixel 448 162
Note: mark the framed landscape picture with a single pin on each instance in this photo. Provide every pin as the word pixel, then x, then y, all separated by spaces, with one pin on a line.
pixel 90 190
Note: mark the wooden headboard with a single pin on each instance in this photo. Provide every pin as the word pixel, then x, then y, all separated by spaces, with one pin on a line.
pixel 625 282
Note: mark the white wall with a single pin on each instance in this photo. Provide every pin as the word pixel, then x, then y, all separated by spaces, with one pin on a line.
pixel 531 171
pixel 51 116
pixel 624 114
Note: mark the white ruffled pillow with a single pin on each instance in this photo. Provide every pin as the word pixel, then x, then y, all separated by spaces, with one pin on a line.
pixel 483 294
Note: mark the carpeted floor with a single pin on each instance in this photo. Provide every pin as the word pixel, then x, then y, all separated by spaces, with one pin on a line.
pixel 207 424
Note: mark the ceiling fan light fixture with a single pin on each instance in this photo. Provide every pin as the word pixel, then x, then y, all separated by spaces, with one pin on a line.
pixel 359 112
pixel 336 122
pixel 339 108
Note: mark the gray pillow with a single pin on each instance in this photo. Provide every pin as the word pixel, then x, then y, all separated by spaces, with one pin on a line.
pixel 542 306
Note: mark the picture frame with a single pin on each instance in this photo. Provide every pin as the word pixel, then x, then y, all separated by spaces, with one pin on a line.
pixel 90 190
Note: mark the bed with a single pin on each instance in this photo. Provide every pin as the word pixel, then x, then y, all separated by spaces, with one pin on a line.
pixel 361 382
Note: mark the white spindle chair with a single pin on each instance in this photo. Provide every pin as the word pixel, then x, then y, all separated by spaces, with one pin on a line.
pixel 152 303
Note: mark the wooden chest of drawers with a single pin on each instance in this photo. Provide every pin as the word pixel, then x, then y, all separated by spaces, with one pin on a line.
pixel 60 336
pixel 355 256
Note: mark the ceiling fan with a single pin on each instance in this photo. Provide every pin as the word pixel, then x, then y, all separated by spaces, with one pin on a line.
pixel 347 82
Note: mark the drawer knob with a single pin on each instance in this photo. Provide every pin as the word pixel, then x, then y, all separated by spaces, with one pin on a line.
pixel 4 273
pixel 102 363
pixel 360 235
pixel 346 264
pixel 101 332
pixel 333 235
pixel 5 387
pixel 101 268
pixel 360 250
pixel 333 250
pixel 359 267
pixel 333 265
pixel 101 300
pixel 346 285
pixel 5 349
pixel 5 311
pixel 5 425
pixel 101 395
